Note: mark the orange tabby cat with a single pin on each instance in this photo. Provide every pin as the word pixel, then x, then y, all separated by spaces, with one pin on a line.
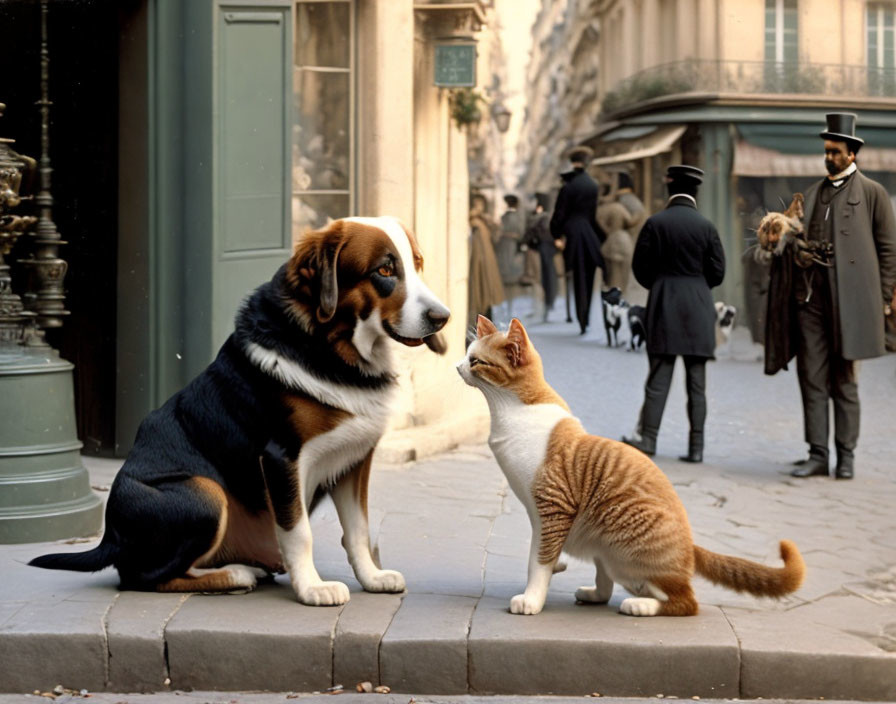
pixel 595 498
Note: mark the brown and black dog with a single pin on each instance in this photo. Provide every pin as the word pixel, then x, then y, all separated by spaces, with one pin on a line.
pixel 218 487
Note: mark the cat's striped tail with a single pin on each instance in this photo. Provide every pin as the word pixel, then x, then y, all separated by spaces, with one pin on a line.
pixel 752 577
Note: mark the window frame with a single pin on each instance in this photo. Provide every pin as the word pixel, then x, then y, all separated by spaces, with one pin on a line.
pixel 351 71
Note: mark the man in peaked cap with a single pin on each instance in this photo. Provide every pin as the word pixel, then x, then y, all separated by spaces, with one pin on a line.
pixel 679 258
pixel 831 313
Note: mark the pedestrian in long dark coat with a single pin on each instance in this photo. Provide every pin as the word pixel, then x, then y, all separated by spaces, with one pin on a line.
pixel 538 236
pixel 507 245
pixel 679 258
pixel 831 314
pixel 574 222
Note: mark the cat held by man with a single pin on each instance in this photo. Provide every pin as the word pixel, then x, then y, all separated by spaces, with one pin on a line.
pixel 596 499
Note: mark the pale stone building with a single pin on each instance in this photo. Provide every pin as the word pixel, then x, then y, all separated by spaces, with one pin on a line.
pixel 562 96
pixel 737 87
pixel 740 88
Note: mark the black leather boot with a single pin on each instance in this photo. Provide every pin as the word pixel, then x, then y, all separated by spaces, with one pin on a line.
pixel 695 447
pixel 815 466
pixel 845 469
pixel 646 443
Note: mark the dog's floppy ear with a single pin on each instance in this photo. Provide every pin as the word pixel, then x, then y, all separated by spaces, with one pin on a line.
pixel 313 269
pixel 484 326
pixel 796 207
pixel 517 347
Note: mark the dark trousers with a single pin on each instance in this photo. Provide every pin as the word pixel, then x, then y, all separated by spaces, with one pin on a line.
pixel 583 290
pixel 823 374
pixel 656 390
pixel 548 276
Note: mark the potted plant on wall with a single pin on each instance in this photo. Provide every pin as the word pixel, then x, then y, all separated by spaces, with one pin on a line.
pixel 466 110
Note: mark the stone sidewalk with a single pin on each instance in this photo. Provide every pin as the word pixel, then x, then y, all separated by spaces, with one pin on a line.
pixel 449 523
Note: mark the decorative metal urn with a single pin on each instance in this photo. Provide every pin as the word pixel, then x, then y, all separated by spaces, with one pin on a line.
pixel 44 488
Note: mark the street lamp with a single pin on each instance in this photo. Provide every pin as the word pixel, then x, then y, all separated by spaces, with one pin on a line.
pixel 501 115
pixel 44 489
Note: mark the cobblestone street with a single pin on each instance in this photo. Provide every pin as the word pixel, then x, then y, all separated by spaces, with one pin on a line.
pixel 450 524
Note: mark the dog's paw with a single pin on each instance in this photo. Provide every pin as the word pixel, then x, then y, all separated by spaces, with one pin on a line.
pixel 640 606
pixel 384 581
pixel 591 595
pixel 521 604
pixel 324 594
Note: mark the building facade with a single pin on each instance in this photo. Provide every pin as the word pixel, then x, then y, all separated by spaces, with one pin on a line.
pixel 562 89
pixel 740 88
pixel 193 142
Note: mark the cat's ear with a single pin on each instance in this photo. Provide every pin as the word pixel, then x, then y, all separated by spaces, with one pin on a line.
pixel 484 326
pixel 796 207
pixel 517 347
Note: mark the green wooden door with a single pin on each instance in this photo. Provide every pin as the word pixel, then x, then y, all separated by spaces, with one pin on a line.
pixel 252 130
pixel 205 188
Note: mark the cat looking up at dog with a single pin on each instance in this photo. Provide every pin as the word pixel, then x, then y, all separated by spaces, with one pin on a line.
pixel 594 498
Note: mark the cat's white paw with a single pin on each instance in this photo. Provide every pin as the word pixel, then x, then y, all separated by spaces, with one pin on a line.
pixel 559 567
pixel 640 606
pixel 384 581
pixel 521 604
pixel 324 594
pixel 592 595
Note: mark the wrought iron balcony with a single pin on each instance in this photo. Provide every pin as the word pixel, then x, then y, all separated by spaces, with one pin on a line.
pixel 750 78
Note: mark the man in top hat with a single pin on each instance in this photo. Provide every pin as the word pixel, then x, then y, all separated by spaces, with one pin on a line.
pixel 574 222
pixel 539 237
pixel 679 258
pixel 832 312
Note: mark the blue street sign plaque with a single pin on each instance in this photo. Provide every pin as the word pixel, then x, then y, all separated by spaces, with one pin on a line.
pixel 455 65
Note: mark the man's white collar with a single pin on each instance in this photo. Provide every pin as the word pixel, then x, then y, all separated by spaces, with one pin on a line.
pixel 682 195
pixel 837 179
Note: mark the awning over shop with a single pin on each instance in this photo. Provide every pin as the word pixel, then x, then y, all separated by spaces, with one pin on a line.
pixel 753 160
pixel 787 149
pixel 658 141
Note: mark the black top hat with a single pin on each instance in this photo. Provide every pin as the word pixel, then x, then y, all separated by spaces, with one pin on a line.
pixel 543 199
pixel 511 200
pixel 841 128
pixel 681 172
pixel 581 154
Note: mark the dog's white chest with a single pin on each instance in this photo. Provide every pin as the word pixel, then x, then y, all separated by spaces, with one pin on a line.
pixel 519 439
pixel 326 457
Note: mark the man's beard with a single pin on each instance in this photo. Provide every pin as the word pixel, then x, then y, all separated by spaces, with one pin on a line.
pixel 831 167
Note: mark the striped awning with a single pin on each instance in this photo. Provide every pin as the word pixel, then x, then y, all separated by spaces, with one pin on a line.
pixel 753 160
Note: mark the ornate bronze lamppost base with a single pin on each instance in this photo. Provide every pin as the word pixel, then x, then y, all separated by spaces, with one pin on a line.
pixel 44 489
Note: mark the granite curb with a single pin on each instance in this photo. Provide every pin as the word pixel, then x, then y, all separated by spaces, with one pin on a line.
pixel 100 639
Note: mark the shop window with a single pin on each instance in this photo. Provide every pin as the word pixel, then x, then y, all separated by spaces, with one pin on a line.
pixel 323 156
pixel 781 45
pixel 881 66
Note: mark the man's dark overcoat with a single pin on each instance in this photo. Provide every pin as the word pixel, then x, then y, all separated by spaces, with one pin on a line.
pixel 679 257
pixel 574 219
pixel 864 276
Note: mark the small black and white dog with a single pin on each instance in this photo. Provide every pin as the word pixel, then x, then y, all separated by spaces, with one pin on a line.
pixel 725 314
pixel 613 306
pixel 637 326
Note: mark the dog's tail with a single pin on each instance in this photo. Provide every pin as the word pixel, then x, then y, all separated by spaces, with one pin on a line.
pixel 752 577
pixel 101 556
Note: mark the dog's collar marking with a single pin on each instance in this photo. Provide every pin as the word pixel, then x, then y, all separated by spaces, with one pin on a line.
pixel 348 398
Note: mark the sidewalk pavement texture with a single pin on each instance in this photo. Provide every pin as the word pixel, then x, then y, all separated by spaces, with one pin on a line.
pixel 451 525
